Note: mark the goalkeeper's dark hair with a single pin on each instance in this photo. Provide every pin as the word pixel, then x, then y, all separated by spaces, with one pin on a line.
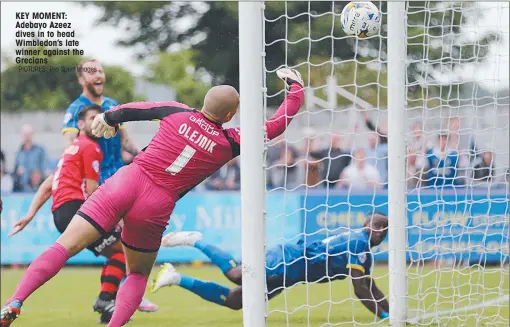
pixel 84 110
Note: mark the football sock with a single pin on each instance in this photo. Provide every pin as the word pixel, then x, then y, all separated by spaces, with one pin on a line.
pixel 128 299
pixel 111 276
pixel 208 291
pixel 220 258
pixel 42 269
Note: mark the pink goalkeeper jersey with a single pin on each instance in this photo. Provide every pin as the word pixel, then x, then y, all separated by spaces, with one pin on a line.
pixel 188 147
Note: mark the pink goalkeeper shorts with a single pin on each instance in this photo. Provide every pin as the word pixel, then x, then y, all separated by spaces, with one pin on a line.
pixel 131 195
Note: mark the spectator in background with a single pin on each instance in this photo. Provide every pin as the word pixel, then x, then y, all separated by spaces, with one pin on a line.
pixel 485 170
pixel 419 143
pixel 310 143
pixel 311 166
pixel 7 183
pixel 51 166
pixel 226 178
pixel 286 172
pixel 456 140
pixel 29 158
pixel 414 169
pixel 464 144
pixel 36 179
pixel 377 155
pixel 333 161
pixel 441 164
pixel 275 149
pixel 360 174
pixel 380 129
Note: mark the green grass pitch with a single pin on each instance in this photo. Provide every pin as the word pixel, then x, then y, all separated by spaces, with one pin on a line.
pixel 66 301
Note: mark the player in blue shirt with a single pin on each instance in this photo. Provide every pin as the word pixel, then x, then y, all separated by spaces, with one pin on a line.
pixel 334 258
pixel 442 164
pixel 91 76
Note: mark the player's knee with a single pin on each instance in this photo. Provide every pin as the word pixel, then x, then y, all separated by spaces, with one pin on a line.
pixel 140 277
pixel 236 306
pixel 139 262
pixel 78 235
pixel 137 275
pixel 235 276
pixel 71 247
pixel 138 269
pixel 234 300
pixel 110 251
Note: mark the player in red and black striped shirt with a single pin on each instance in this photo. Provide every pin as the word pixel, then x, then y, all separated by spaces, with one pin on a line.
pixel 75 179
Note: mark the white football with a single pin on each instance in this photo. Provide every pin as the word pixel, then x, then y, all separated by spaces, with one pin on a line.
pixel 361 19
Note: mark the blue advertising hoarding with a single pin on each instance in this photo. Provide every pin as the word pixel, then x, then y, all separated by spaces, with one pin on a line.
pixel 454 224
pixel 216 214
pixel 447 225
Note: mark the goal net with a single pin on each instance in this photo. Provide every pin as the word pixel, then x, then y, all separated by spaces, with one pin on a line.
pixel 330 167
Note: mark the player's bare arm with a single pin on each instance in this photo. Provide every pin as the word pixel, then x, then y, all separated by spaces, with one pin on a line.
pixel 377 293
pixel 69 137
pixel 127 143
pixel 90 186
pixel 107 124
pixel 363 292
pixel 40 198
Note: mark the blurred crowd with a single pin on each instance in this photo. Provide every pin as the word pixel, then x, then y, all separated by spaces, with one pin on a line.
pixel 31 165
pixel 447 158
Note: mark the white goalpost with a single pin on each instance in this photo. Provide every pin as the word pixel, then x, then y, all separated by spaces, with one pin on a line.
pixel 251 47
pixel 414 123
pixel 397 202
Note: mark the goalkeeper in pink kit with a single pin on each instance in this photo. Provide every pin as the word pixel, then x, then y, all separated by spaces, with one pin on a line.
pixel 189 146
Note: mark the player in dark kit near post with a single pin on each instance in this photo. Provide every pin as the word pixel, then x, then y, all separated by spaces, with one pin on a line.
pixel 75 179
pixel 189 146
pixel 347 254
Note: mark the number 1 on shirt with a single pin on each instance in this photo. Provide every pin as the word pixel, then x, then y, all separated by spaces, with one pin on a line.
pixel 181 161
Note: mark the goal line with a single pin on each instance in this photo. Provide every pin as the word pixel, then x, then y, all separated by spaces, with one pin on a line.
pixel 437 314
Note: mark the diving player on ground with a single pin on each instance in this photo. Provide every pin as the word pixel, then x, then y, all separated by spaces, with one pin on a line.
pixel 334 258
pixel 189 146
pixel 92 78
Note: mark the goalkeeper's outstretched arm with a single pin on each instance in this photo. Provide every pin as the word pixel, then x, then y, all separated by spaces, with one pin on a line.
pixel 378 295
pixel 364 293
pixel 277 124
pixel 142 111
pixel 107 124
